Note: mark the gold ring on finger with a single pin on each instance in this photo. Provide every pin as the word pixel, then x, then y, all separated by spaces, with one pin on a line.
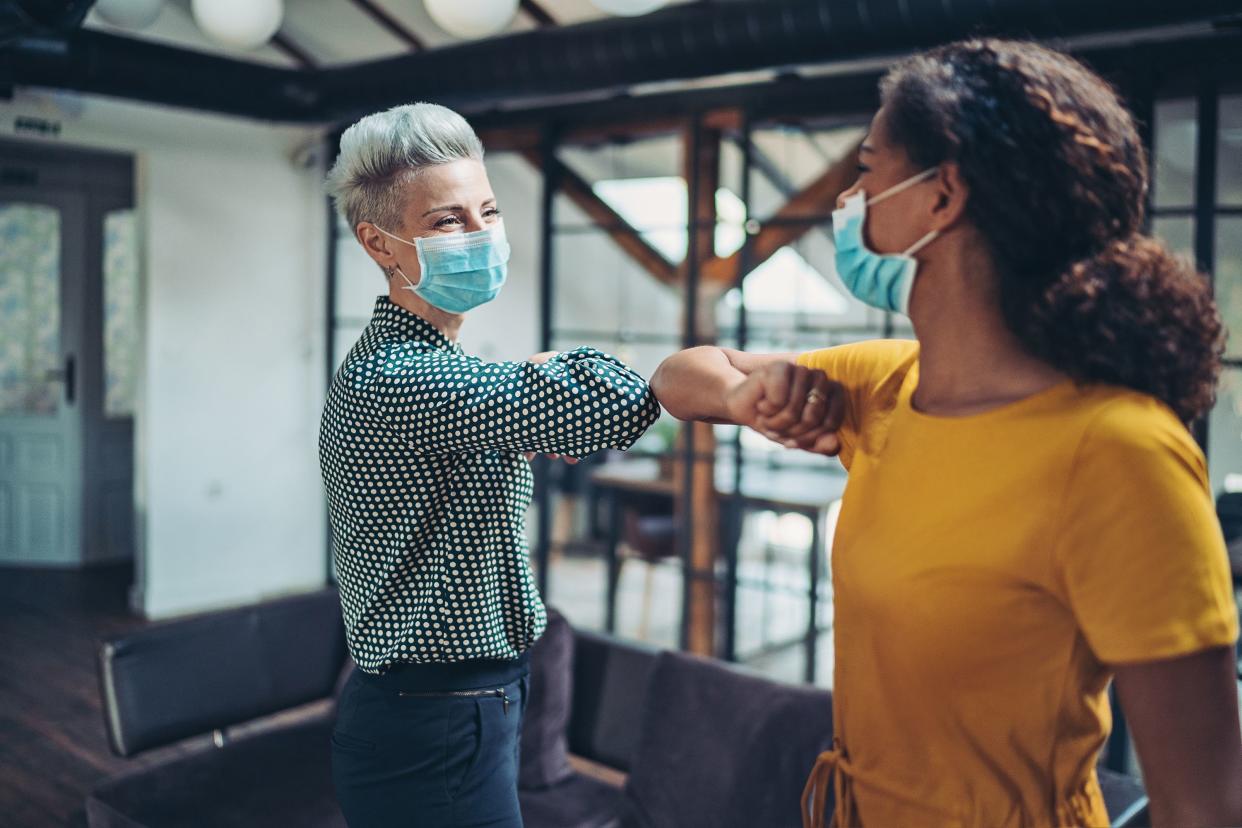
pixel 815 396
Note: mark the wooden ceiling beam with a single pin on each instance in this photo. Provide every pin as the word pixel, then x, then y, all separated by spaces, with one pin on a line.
pixel 723 120
pixel 609 220
pixel 812 203
pixel 512 139
pixel 538 12
pixel 392 24
pixel 803 212
pixel 283 43
pixel 519 138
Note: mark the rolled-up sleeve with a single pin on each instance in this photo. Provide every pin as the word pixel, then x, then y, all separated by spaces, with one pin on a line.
pixel 577 403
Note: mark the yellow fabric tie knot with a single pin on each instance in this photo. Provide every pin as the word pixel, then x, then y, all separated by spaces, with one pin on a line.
pixel 831 768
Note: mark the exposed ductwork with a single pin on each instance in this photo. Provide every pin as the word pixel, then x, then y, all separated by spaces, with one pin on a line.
pixel 682 42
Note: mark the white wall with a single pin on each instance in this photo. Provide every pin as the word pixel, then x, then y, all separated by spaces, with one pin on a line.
pixel 230 500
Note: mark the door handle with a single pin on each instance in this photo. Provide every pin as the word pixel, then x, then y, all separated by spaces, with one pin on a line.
pixel 67 375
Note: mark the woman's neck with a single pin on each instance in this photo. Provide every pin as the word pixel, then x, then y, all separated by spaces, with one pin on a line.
pixel 969 359
pixel 446 323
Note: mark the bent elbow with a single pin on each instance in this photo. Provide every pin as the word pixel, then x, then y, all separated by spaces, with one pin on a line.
pixel 662 390
pixel 658 378
pixel 635 418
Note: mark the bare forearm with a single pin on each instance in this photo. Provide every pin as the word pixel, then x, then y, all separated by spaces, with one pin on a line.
pixel 1184 715
pixel 694 384
pixel 1212 797
pixel 1221 806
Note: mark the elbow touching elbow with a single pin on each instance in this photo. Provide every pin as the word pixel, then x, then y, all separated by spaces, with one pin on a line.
pixel 657 380
pixel 664 395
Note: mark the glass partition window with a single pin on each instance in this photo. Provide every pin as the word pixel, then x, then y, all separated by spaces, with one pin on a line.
pixel 1176 139
pixel 1178 232
pixel 1229 152
pixel 1227 271
pixel 789 162
pixel 1225 434
pixel 603 293
pixel 121 330
pixel 618 237
pixel 30 246
pixel 658 206
pixel 1198 212
pixel 618 241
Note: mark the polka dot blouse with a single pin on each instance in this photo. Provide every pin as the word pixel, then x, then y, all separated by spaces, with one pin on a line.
pixel 421 452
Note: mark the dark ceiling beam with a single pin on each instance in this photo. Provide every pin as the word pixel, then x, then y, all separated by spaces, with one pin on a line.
pixel 106 64
pixel 697 40
pixel 538 13
pixel 21 16
pixel 600 58
pixel 804 210
pixel 283 43
pixel 530 136
pixel 392 24
pixel 846 99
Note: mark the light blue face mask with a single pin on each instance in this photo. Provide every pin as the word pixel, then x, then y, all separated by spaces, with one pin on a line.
pixel 882 280
pixel 460 270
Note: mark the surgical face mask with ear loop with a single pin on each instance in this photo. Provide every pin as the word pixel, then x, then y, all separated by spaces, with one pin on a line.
pixel 882 280
pixel 460 270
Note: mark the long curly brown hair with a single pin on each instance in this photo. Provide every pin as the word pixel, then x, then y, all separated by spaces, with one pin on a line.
pixel 1058 189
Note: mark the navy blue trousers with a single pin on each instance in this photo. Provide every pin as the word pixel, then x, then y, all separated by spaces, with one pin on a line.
pixel 431 746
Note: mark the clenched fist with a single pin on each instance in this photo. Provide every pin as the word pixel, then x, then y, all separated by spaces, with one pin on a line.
pixel 791 405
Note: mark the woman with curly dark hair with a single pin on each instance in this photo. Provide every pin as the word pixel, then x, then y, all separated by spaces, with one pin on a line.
pixel 1027 517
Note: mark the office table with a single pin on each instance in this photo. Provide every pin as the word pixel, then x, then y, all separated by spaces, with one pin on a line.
pixel 805 492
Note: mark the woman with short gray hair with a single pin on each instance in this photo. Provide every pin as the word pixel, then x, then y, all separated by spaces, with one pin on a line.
pixel 424 452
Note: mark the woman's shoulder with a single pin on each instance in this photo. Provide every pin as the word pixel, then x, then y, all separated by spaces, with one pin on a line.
pixel 872 359
pixel 1127 426
pixel 373 359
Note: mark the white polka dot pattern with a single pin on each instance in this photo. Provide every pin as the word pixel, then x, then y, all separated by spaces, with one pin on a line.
pixel 421 452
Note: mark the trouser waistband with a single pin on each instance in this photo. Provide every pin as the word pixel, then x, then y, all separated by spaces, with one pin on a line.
pixel 450 676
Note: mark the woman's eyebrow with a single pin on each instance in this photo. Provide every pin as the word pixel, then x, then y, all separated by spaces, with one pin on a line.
pixel 454 207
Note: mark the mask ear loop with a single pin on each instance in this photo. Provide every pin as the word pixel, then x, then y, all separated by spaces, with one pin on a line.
pixel 392 271
pixel 395 269
pixel 921 243
pixel 392 236
pixel 903 186
pixel 408 284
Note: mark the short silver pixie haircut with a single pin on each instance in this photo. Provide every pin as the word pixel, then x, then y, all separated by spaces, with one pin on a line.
pixel 382 152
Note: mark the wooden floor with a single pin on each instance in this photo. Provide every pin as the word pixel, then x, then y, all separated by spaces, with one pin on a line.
pixel 52 743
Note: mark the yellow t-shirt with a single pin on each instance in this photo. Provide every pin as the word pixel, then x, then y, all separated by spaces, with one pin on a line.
pixel 986 569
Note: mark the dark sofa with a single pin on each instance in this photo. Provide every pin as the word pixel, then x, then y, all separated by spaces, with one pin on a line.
pixel 658 739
